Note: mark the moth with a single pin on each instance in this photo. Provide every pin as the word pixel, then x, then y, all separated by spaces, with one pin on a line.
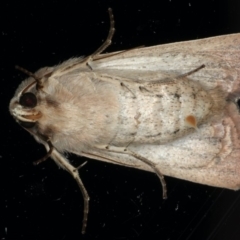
pixel 171 109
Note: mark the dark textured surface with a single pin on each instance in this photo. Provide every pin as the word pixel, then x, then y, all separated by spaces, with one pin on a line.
pixel 43 202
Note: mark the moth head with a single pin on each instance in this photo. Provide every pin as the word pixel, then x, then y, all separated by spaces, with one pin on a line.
pixel 24 104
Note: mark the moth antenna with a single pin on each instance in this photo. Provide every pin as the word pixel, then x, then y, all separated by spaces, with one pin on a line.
pixel 47 155
pixel 26 88
pixel 108 40
pixel 30 74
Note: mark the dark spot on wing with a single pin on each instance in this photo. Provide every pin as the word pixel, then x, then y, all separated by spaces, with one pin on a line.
pixel 176 95
pixel 176 131
pixel 153 136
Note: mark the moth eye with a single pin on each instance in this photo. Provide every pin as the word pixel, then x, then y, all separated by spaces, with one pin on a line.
pixel 28 99
pixel 27 124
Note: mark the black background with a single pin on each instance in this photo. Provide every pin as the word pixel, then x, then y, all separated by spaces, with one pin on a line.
pixel 43 202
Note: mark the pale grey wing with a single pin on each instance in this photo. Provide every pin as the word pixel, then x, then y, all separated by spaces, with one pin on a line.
pixel 220 55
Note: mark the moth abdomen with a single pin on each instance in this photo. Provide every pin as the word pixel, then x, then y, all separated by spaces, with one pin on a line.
pixel 183 106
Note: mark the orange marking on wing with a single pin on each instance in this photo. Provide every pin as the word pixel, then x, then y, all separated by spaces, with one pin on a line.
pixel 191 121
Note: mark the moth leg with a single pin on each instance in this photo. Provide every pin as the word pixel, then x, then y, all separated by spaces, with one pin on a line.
pixel 89 59
pixel 81 165
pixel 106 43
pixel 63 162
pixel 156 170
pixel 51 147
pixel 106 159
pixel 111 54
pixel 146 161
pixel 125 86
pixel 191 72
pixel 108 40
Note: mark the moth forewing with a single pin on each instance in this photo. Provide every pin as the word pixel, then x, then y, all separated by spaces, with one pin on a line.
pixel 219 55
pixel 151 108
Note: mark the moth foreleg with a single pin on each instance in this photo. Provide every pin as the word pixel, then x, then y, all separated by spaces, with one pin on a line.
pixel 63 162
pixel 51 147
